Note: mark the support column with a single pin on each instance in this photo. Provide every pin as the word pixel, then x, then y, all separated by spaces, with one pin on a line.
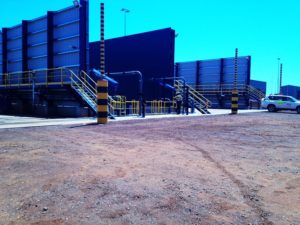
pixel 102 101
pixel 4 50
pixel 25 51
pixel 84 30
pixel 235 93
pixel 50 46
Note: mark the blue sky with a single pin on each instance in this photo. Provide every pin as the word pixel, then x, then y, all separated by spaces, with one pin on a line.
pixel 264 29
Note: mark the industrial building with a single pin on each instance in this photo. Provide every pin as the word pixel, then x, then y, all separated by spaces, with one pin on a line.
pixel 291 91
pixel 48 68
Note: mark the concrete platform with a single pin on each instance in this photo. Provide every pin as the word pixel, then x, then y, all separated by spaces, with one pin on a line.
pixel 18 122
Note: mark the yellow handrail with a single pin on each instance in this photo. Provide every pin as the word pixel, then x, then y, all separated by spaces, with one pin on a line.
pixel 93 92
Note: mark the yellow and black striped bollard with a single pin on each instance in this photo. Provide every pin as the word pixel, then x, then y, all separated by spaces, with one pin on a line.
pixel 102 101
pixel 235 93
pixel 234 102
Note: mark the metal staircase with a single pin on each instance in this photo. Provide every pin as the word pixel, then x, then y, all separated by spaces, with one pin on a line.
pixel 255 96
pixel 85 87
pixel 255 93
pixel 195 98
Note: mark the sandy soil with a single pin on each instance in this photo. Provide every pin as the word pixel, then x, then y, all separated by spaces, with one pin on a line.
pixel 241 169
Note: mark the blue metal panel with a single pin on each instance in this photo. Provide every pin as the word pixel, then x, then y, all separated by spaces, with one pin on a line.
pixel 291 91
pixel 215 71
pixel 59 39
pixel 209 72
pixel 14 50
pixel 243 70
pixel 260 85
pixel 187 71
pixel 14 32
pixel 66 34
pixel 152 53
pixel 37 44
pixel 37 25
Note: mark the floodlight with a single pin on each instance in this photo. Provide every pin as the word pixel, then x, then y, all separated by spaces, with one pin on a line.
pixel 76 4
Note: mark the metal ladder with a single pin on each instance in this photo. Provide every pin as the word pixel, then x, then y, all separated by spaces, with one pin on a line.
pixel 198 100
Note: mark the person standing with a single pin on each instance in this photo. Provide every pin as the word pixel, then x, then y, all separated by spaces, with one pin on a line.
pixel 178 98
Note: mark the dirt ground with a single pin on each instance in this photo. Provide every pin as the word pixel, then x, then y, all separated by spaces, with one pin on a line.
pixel 225 169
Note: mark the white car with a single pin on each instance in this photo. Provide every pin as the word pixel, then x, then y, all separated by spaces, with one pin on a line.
pixel 280 102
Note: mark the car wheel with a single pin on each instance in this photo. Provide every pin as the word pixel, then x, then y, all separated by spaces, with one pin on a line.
pixel 271 108
pixel 298 109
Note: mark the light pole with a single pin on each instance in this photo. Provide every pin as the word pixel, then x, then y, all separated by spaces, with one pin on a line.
pixel 125 12
pixel 278 76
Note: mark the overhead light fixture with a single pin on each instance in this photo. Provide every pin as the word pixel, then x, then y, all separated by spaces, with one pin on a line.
pixel 76 4
pixel 125 10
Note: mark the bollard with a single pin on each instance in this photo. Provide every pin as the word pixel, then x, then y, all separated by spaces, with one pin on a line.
pixel 234 102
pixel 235 92
pixel 102 101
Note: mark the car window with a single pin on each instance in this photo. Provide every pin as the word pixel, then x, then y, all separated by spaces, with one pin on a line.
pixel 277 98
pixel 287 99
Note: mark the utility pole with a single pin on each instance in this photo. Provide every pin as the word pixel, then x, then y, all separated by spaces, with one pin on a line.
pixel 277 86
pixel 280 87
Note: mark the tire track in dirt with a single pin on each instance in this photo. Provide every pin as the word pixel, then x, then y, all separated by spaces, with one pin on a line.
pixel 244 189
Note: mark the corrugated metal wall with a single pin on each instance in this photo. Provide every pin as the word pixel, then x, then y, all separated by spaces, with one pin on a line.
pixel 291 91
pixel 209 72
pixel 259 85
pixel 152 53
pixel 59 39
pixel 14 49
pixel 37 44
pixel 216 72
pixel 243 70
pixel 67 38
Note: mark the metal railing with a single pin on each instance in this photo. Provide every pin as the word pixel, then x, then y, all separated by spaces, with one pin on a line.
pixel 160 107
pixel 119 106
pixel 227 89
pixel 46 77
pixel 193 92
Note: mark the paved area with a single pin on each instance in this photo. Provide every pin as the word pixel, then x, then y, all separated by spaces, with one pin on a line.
pixel 18 122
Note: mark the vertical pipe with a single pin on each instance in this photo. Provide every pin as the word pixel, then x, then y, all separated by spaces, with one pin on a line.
pixel 102 41
pixel 280 79
pixel 102 101
pixel 235 93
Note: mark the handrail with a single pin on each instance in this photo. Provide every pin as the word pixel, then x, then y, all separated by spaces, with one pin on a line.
pixel 85 75
pixel 195 94
pixel 82 82
pixel 16 79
